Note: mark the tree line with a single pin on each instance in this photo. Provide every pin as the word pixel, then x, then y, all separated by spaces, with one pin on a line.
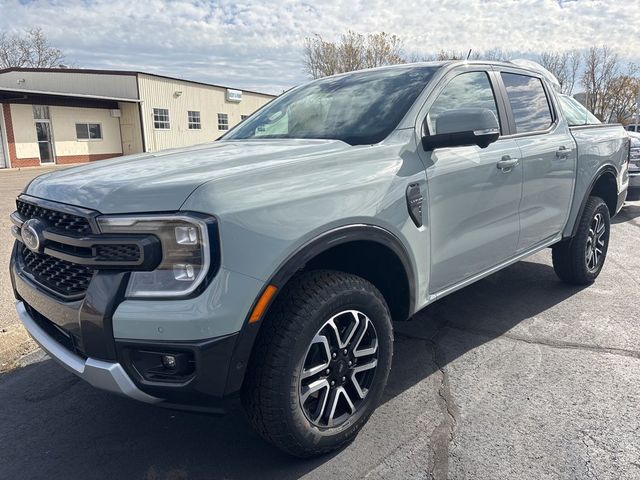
pixel 609 87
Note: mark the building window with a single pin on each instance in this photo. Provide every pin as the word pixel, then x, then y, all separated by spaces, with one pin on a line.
pixel 243 117
pixel 88 131
pixel 40 112
pixel 161 118
pixel 194 120
pixel 223 121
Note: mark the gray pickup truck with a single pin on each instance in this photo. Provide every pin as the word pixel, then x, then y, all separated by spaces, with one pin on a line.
pixel 269 265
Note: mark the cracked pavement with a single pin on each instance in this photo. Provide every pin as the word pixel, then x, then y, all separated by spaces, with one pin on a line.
pixel 516 376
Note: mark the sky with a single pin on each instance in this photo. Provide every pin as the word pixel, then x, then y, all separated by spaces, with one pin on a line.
pixel 257 45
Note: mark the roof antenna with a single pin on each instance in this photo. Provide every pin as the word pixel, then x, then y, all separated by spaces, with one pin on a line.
pixel 469 54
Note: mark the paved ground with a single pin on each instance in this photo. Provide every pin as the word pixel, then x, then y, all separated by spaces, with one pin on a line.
pixel 14 341
pixel 517 376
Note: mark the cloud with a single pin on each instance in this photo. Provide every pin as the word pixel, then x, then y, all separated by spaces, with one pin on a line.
pixel 257 44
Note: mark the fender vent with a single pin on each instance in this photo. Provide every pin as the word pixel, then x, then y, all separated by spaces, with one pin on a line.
pixel 414 203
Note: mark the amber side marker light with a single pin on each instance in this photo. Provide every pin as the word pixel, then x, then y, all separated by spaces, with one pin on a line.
pixel 261 306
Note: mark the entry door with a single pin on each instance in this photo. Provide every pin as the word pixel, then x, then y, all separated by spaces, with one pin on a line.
pixel 473 204
pixel 45 143
pixel 474 211
pixel 548 160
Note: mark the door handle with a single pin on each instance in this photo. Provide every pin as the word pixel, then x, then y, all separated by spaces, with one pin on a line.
pixel 507 163
pixel 562 153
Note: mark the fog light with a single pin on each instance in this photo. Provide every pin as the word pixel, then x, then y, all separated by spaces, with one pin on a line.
pixel 184 272
pixel 168 361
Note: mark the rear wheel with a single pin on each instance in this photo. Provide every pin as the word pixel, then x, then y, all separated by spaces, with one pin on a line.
pixel 320 363
pixel 580 259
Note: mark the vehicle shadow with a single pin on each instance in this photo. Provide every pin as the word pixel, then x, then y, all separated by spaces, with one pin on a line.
pixel 55 426
pixel 628 213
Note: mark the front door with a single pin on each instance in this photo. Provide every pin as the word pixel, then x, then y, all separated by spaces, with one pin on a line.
pixel 45 143
pixel 473 204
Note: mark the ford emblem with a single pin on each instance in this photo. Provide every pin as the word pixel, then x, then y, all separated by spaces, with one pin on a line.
pixel 31 233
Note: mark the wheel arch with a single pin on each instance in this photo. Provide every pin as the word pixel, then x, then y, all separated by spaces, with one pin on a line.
pixel 320 253
pixel 604 185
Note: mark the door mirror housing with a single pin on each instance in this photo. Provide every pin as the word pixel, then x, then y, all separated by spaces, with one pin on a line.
pixel 463 127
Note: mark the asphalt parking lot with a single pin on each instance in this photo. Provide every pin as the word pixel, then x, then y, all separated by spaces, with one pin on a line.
pixel 516 376
pixel 14 341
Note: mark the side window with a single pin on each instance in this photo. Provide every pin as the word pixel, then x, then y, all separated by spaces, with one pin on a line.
pixel 528 101
pixel 468 90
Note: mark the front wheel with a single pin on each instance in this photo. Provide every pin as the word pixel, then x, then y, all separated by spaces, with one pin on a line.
pixel 580 259
pixel 320 363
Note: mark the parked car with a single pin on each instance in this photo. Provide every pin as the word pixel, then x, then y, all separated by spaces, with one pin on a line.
pixel 270 264
pixel 634 165
pixel 634 127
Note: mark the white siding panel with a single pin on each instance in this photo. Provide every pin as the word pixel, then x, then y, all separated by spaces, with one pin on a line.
pixel 158 92
pixel 63 82
pixel 24 131
pixel 63 122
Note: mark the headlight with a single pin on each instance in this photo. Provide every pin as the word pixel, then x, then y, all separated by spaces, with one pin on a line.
pixel 186 252
pixel 634 154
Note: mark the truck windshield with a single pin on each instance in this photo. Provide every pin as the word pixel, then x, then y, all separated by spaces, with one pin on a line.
pixel 358 108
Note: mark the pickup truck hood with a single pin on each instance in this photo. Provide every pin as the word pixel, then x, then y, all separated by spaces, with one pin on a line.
pixel 162 181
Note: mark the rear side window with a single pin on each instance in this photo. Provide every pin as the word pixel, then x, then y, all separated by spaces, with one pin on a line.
pixel 528 101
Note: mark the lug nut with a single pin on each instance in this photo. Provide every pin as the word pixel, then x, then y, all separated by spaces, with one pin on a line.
pixel 344 378
pixel 333 383
pixel 327 371
pixel 350 363
pixel 344 351
pixel 334 355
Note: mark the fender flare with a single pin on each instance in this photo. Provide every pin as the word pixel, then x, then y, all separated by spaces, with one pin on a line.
pixel 599 174
pixel 295 262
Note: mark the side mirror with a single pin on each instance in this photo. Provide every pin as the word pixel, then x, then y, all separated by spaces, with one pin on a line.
pixel 463 127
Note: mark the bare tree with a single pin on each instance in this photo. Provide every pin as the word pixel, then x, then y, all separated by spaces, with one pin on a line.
pixel 564 66
pixel 601 69
pixel 621 96
pixel 352 52
pixel 493 54
pixel 31 49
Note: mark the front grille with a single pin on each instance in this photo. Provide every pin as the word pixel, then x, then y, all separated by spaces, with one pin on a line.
pixel 117 253
pixel 59 221
pixel 71 252
pixel 64 278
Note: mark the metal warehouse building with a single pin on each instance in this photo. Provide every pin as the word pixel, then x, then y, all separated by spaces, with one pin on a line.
pixel 75 115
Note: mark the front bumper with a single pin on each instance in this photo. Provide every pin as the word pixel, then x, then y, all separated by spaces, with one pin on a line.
pixel 79 336
pixel 104 375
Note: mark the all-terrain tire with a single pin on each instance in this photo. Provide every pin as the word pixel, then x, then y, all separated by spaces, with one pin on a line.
pixel 573 259
pixel 271 391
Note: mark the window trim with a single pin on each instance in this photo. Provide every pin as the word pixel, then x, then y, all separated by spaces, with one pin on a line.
pixel 551 102
pixel 226 115
pixel 190 123
pixel 444 82
pixel 89 139
pixel 153 119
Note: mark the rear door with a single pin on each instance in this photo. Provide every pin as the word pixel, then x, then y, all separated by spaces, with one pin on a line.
pixel 473 204
pixel 548 157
